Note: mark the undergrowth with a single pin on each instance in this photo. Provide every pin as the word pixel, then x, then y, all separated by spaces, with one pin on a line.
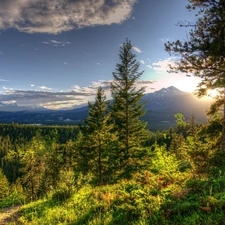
pixel 160 195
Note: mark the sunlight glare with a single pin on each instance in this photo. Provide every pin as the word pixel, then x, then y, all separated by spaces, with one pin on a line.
pixel 212 93
pixel 187 84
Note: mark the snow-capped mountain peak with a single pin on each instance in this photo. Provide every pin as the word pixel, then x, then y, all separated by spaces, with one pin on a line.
pixel 169 91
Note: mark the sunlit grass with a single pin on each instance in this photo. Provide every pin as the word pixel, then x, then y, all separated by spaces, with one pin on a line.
pixel 160 195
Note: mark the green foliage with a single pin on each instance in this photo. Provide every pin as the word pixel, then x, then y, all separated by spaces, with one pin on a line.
pixel 33 166
pixel 113 171
pixel 4 186
pixel 99 137
pixel 127 109
pixel 193 126
pixel 198 154
pixel 159 194
pixel 65 185
pixel 202 54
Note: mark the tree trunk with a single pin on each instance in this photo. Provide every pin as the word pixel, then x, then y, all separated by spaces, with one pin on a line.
pixel 100 163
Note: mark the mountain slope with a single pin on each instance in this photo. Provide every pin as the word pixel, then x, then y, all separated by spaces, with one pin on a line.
pixel 163 104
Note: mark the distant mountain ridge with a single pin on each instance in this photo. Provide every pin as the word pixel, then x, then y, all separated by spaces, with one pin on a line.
pixel 163 104
pixel 163 98
pixel 160 109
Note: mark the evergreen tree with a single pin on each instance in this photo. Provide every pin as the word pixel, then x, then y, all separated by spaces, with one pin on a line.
pixel 52 164
pixel 203 53
pixel 98 134
pixel 127 109
pixel 181 125
pixel 33 166
pixel 177 141
pixel 81 153
pixel 4 185
pixel 192 126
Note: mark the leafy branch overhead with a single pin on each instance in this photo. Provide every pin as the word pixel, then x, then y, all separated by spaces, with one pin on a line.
pixel 203 53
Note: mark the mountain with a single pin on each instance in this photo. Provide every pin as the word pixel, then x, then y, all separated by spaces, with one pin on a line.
pixel 160 109
pixel 163 104
pixel 164 98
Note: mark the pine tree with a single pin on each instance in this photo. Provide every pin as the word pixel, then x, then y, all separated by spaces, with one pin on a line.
pixel 192 126
pixel 177 141
pixel 203 53
pixel 127 109
pixel 4 186
pixel 97 131
pixel 33 166
pixel 181 125
pixel 81 152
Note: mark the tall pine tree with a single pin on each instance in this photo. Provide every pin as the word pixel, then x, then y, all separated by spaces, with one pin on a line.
pixel 97 131
pixel 127 107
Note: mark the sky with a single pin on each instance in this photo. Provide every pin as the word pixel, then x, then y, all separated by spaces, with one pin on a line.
pixel 55 54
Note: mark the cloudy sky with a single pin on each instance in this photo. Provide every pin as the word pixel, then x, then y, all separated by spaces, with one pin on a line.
pixel 56 53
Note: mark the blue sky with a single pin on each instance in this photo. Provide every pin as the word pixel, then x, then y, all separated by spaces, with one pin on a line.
pixel 55 54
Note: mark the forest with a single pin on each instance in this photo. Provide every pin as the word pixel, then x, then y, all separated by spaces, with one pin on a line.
pixel 110 169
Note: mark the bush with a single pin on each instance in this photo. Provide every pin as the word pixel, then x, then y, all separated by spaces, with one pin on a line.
pixel 65 185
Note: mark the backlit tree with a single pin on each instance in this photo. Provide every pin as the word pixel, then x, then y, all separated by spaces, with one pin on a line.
pixel 203 53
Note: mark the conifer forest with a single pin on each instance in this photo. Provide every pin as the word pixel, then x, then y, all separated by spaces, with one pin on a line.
pixel 112 169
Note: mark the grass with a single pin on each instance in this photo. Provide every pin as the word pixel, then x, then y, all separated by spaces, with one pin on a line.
pixel 131 203
pixel 161 195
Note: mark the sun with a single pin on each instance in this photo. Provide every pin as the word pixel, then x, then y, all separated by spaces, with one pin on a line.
pixel 187 84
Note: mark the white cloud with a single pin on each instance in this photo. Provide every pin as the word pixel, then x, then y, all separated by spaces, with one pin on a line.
pixel 76 87
pixel 8 102
pixel 142 61
pixel 136 49
pixel 47 97
pixel 146 82
pixel 179 80
pixel 149 66
pixel 56 16
pixel 7 89
pixel 32 85
pixel 44 88
pixel 163 65
pixel 55 42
